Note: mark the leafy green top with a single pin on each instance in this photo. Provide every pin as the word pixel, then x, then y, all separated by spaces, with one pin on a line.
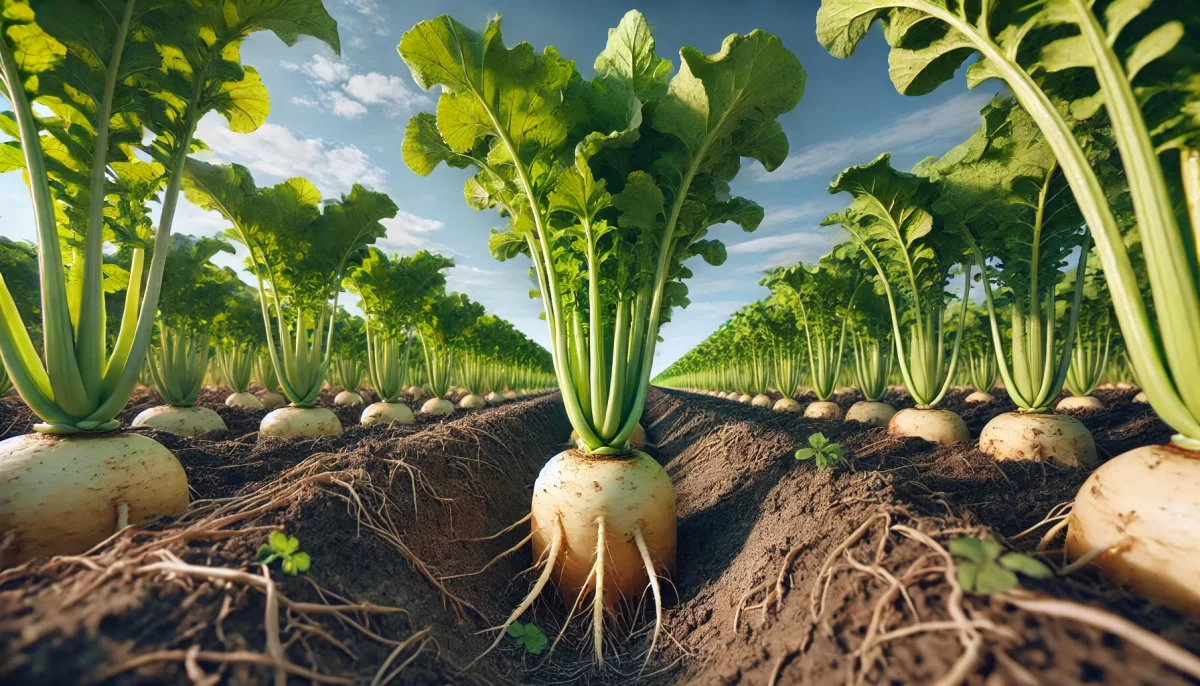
pixel 298 243
pixel 195 291
pixel 396 291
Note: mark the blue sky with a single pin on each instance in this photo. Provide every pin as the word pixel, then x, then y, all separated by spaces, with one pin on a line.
pixel 339 120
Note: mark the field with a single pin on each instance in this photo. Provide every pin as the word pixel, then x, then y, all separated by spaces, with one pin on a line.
pixel 772 586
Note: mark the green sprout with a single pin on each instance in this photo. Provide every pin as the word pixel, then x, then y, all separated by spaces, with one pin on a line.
pixel 827 453
pixel 529 637
pixel 987 569
pixel 280 546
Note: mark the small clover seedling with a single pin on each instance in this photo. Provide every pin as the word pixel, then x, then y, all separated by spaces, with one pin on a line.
pixel 529 637
pixel 280 546
pixel 986 569
pixel 826 453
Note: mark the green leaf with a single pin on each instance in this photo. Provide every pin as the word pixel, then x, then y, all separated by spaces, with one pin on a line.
pixel 516 630
pixel 969 548
pixel 301 562
pixel 423 148
pixel 640 203
pixel 534 640
pixel 278 541
pixel 629 57
pixel 806 453
pixel 993 578
pixel 11 156
pixel 967 575
pixel 1023 564
pixel 752 78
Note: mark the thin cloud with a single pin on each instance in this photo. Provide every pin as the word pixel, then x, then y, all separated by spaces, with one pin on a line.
pixel 277 151
pixel 407 233
pixel 780 242
pixel 954 119
pixel 808 210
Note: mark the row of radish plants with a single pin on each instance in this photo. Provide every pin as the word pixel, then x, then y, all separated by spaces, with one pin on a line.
pixel 107 300
pixel 609 185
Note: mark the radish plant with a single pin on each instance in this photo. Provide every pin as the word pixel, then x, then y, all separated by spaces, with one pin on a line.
pixel 870 329
pixel 609 186
pixel 1093 345
pixel 1005 192
pixel 893 224
pixel 1131 69
pixel 300 248
pixel 239 343
pixel 394 292
pixel 194 293
pixel 979 356
pixel 349 350
pixel 86 83
pixel 442 324
pixel 820 297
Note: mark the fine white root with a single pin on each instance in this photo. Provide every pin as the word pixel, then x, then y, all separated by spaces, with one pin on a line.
pixel 1053 532
pixel 1152 643
pixel 494 560
pixel 598 600
pixel 571 614
pixel 501 532
pixel 658 606
pixel 1088 557
pixel 555 547
pixel 122 515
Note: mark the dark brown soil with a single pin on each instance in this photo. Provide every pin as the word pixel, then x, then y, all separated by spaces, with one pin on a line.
pixel 745 504
pixel 382 513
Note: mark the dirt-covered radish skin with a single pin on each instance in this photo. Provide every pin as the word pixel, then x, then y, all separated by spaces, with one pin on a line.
pixel 386 413
pixel 745 398
pixel 1055 438
pixel 348 399
pixel 471 401
pixel 300 422
pixel 493 398
pixel 1141 397
pixel 979 397
pixel 272 400
pixel 244 400
pixel 181 421
pixel 761 400
pixel 823 409
pixel 437 406
pixel 510 395
pixel 63 495
pixel 787 405
pixel 1079 402
pixel 942 427
pixel 1139 513
pixel 870 413
pixel 631 492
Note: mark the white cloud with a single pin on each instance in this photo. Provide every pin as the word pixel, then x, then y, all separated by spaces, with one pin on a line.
pixel 954 119
pixel 320 69
pixel 277 151
pixel 365 7
pixel 780 242
pixel 347 94
pixel 407 233
pixel 810 209
pixel 376 89
pixel 345 107
pixel 357 42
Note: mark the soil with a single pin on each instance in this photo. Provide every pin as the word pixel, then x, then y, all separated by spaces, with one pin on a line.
pixel 383 513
